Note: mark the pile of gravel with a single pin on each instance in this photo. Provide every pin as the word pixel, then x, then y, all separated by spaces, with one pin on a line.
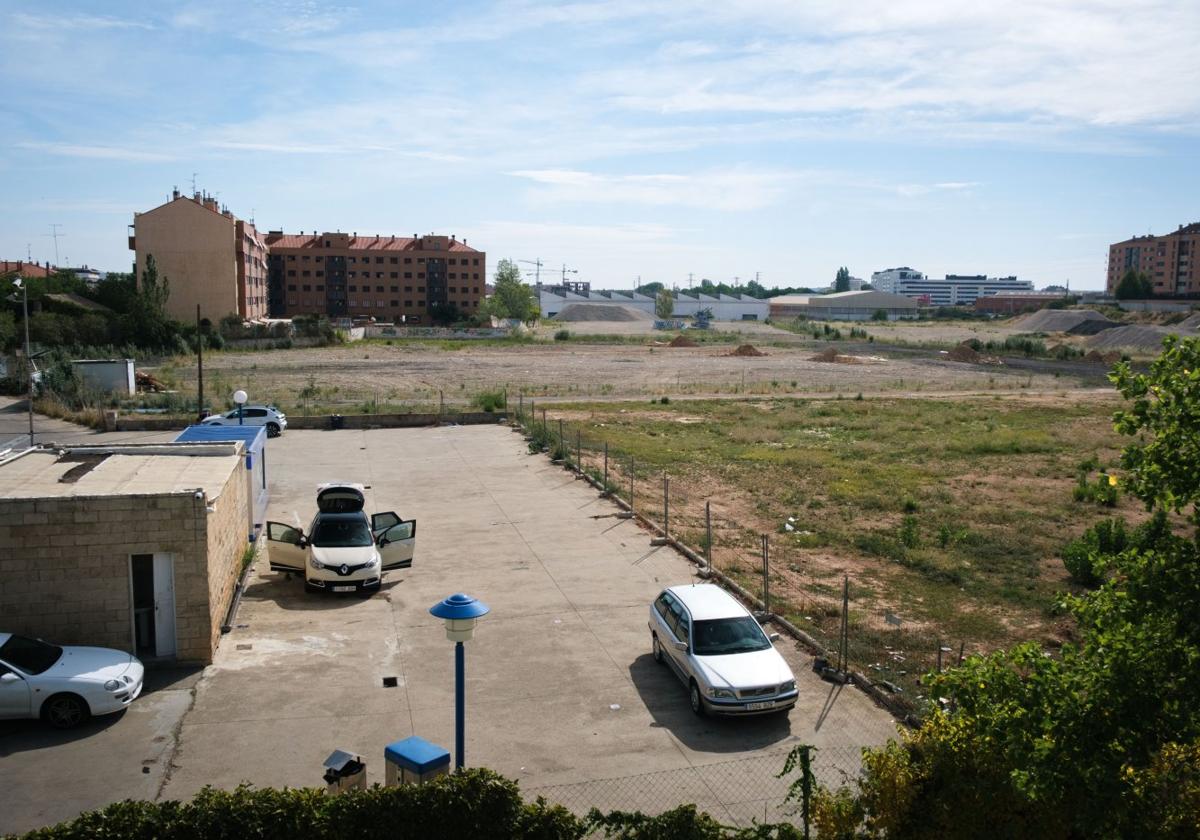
pixel 601 312
pixel 1058 320
pixel 1132 336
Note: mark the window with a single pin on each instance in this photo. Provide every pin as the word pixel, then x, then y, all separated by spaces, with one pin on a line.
pixel 378 260
pixel 291 272
pixel 420 290
pixel 395 260
pixel 395 289
pixel 420 275
pixel 395 303
pixel 453 261
pixel 420 303
pixel 420 259
pixel 320 288
pixel 408 303
pixel 395 274
pixel 475 261
pixel 408 275
pixel 306 288
pixel 291 287
pixel 291 257
pixel 305 273
pixel 354 288
pixel 408 289
pixel 353 301
pixel 475 276
pixel 407 260
pixel 291 301
pixel 379 288
pixel 326 243
pixel 454 276
pixel 379 304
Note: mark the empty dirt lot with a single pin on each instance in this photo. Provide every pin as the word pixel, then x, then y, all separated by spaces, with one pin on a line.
pixel 414 372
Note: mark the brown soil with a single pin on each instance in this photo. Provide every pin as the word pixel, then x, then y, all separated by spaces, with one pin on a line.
pixel 829 354
pixel 966 353
pixel 746 350
pixel 682 341
pixel 1102 358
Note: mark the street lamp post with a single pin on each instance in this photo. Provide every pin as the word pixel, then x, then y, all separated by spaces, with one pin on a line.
pixel 19 282
pixel 460 612
pixel 239 397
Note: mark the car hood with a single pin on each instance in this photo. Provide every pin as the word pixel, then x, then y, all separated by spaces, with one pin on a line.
pixel 92 663
pixel 355 556
pixel 745 670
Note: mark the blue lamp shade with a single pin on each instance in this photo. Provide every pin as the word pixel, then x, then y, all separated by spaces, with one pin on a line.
pixel 459 607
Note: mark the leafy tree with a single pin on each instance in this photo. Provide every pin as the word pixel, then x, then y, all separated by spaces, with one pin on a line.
pixel 1135 285
pixel 10 333
pixel 444 314
pixel 842 282
pixel 1089 742
pixel 664 304
pixel 512 298
pixel 650 289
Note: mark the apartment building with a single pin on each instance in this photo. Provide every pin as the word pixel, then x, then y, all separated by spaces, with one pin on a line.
pixel 1169 261
pixel 888 279
pixel 212 259
pixel 389 278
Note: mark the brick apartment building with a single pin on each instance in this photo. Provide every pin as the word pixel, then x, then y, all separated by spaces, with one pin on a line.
pixel 211 258
pixel 1169 261
pixel 390 278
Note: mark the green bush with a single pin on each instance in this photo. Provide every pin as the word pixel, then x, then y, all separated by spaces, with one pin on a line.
pixel 474 803
pixel 1102 491
pixel 489 401
pixel 1085 556
pixel 879 315
pixel 562 335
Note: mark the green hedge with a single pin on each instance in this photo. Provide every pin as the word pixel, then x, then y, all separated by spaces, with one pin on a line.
pixel 475 803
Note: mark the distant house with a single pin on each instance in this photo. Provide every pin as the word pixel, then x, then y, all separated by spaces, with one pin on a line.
pixel 25 269
pixel 687 304
pixel 844 306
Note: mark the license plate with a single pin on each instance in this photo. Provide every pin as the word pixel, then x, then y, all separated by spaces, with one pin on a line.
pixel 754 707
pixel 344 588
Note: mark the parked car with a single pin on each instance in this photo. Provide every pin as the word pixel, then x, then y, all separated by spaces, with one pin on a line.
pixel 343 550
pixel 719 651
pixel 64 685
pixel 252 415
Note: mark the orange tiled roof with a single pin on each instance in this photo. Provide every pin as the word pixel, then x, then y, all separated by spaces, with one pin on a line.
pixel 25 269
pixel 358 243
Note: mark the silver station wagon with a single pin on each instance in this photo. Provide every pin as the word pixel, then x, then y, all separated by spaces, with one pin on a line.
pixel 719 651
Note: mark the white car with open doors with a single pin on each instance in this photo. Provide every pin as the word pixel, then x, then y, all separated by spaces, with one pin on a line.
pixel 719 651
pixel 343 550
pixel 64 685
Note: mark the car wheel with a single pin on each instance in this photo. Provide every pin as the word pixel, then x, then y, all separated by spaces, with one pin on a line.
pixel 656 648
pixel 273 430
pixel 696 699
pixel 65 711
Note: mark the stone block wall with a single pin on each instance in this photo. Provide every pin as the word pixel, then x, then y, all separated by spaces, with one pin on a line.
pixel 64 566
pixel 226 541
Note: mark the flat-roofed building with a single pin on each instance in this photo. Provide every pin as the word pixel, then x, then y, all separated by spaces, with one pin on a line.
pixel 388 278
pixel 844 306
pixel 1169 261
pixel 136 546
pixel 958 289
pixel 211 258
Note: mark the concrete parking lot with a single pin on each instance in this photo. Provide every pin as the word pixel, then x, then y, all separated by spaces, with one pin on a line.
pixel 561 687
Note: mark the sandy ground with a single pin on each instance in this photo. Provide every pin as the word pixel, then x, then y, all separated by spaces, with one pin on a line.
pixel 395 372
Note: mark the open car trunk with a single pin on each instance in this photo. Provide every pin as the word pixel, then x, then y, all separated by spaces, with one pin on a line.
pixel 340 498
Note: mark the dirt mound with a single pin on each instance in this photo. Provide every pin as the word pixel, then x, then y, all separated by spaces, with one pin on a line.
pixel 1057 320
pixel 1102 358
pixel 829 354
pixel 1132 336
pixel 746 350
pixel 682 341
pixel 1092 326
pixel 1190 324
pixel 966 353
pixel 601 312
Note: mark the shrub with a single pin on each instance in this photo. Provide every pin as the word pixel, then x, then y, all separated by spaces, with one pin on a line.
pixel 1086 556
pixel 1102 491
pixel 879 315
pixel 910 533
pixel 562 335
pixel 489 401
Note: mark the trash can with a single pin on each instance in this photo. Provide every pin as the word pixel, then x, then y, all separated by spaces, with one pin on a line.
pixel 337 421
pixel 344 771
pixel 414 761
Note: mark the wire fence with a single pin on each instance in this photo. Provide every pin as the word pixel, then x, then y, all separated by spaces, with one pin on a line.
pixel 736 792
pixel 889 654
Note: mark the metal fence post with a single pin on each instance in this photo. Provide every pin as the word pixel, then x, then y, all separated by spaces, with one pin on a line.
pixel 631 485
pixel 545 428
pixel 579 451
pixel 562 443
pixel 844 641
pixel 605 488
pixel 521 407
pixel 766 573
pixel 708 534
pixel 666 505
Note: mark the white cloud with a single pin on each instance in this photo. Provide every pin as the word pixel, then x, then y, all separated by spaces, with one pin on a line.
pixel 97 152
pixel 729 189
pixel 58 23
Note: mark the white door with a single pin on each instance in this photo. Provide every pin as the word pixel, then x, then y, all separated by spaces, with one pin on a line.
pixel 164 605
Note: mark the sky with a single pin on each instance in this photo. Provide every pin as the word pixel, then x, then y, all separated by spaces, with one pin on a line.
pixel 657 139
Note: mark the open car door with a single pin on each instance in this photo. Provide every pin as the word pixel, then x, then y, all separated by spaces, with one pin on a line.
pixel 396 539
pixel 284 552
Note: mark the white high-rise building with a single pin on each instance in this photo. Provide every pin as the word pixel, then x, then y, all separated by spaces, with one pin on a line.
pixel 886 281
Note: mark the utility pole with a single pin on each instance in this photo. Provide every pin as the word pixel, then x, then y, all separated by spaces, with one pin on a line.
pixel 199 368
pixel 55 234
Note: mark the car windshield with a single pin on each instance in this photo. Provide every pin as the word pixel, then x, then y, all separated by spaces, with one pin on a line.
pixel 33 656
pixel 342 533
pixel 719 636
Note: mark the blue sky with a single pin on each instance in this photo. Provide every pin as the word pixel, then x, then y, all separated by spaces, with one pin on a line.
pixel 623 139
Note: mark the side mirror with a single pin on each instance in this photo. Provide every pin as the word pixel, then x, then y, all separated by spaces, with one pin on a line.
pixel 681 646
pixel 9 677
pixel 303 542
pixel 774 637
pixel 383 541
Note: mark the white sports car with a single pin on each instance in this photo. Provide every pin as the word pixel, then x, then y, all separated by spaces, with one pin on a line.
pixel 64 685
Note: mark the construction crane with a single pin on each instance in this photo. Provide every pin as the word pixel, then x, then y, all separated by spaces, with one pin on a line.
pixel 537 275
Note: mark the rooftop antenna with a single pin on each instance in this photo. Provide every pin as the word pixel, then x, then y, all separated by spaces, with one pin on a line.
pixel 194 174
pixel 55 234
pixel 28 252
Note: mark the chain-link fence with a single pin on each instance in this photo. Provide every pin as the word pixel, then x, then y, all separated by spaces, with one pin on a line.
pixel 888 652
pixel 735 792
